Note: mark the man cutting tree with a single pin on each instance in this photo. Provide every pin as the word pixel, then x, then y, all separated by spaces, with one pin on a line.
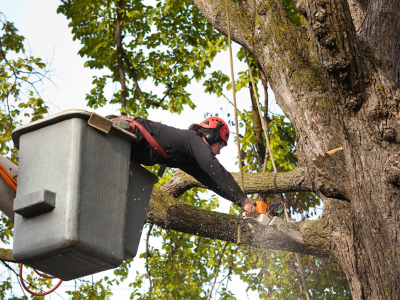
pixel 193 151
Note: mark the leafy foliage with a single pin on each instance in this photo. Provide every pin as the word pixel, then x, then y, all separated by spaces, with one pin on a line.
pixel 19 76
pixel 294 15
pixel 20 102
pixel 169 43
pixel 100 289
pixel 6 229
pixel 277 276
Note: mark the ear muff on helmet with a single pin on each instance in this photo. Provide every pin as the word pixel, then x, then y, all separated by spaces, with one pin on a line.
pixel 213 135
pixel 219 130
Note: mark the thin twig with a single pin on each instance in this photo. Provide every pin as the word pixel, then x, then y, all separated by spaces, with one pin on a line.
pixel 134 77
pixel 217 269
pixel 40 76
pixel 177 243
pixel 170 86
pixel 230 271
pixel 2 52
pixel 265 268
pixel 222 280
pixel 18 278
pixel 147 260
pixel 118 42
pixel 288 136
pixel 19 283
pixel 198 244
pixel 8 106
pixel 165 287
pixel 226 277
pixel 254 279
pixel 163 280
pixel 8 267
pixel 166 94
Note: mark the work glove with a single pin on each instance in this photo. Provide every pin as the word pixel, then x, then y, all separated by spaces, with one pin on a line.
pixel 125 125
pixel 249 207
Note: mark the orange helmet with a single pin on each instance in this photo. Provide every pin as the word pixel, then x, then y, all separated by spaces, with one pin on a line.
pixel 221 131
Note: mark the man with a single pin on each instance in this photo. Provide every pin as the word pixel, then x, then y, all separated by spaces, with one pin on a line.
pixel 193 151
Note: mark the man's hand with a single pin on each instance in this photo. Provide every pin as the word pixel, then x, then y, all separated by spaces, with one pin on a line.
pixel 249 208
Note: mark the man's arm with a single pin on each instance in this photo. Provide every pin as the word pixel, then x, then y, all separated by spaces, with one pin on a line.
pixel 211 173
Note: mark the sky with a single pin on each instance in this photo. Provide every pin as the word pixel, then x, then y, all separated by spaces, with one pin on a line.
pixel 49 37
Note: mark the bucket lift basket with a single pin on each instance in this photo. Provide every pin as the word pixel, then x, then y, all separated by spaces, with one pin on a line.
pixel 80 204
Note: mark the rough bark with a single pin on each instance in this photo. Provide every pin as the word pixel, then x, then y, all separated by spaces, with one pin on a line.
pixel 337 78
pixel 167 212
pixel 269 183
pixel 6 255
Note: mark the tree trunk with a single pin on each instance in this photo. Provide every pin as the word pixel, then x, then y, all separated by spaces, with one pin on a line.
pixel 337 79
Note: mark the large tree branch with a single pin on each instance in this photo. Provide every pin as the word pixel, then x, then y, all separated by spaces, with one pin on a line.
pixel 6 255
pixel 330 179
pixel 268 183
pixel 169 213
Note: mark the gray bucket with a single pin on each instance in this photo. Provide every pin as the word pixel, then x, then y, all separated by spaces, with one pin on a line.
pixel 80 204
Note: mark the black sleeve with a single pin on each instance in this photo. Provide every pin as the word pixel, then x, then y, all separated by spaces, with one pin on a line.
pixel 211 173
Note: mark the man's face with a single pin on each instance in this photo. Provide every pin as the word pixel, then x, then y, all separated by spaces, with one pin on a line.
pixel 216 148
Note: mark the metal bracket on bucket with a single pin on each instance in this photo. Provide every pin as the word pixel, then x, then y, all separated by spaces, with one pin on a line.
pixel 100 123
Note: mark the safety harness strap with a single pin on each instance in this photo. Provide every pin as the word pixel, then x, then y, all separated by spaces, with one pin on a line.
pixel 145 133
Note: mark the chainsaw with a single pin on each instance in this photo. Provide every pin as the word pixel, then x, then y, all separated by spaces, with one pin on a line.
pixel 269 214
pixel 273 210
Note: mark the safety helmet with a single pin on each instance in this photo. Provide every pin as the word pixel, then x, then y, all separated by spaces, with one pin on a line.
pixel 220 132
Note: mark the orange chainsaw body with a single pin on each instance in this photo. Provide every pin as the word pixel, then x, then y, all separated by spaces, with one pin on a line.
pixel 262 208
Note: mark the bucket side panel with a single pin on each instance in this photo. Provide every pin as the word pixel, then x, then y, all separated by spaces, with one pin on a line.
pixel 140 189
pixel 44 163
pixel 104 179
